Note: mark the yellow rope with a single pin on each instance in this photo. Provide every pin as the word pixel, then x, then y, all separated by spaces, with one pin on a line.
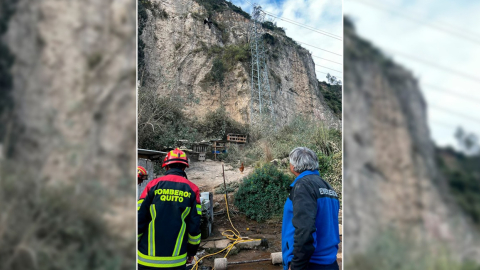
pixel 232 236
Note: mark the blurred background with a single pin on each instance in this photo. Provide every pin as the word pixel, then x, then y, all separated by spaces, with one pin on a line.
pixel 411 112
pixel 67 134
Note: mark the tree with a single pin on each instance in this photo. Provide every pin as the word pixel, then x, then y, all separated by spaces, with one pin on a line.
pixel 333 80
pixel 467 141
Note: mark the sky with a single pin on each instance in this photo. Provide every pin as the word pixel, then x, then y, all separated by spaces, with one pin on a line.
pixel 318 14
pixel 444 34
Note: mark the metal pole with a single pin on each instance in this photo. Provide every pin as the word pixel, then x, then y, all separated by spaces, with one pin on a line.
pixel 224 185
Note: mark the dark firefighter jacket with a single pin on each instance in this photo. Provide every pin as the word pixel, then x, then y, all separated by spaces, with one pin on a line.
pixel 310 223
pixel 169 213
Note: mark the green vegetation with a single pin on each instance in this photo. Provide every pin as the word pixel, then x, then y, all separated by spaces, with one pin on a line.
pixel 7 9
pixel 225 60
pixel 463 176
pixel 267 144
pixel 162 122
pixel 390 251
pixel 270 26
pixel 142 21
pixel 220 6
pixel 236 53
pixel 269 39
pixel 215 121
pixel 231 187
pixel 333 96
pixel 262 194
pixel 217 73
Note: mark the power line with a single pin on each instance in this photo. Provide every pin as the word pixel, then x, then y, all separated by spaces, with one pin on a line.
pixel 419 21
pixel 328 68
pixel 452 93
pixel 318 48
pixel 438 22
pixel 322 72
pixel 326 59
pixel 442 124
pixel 304 26
pixel 465 116
pixel 434 65
pixel 299 24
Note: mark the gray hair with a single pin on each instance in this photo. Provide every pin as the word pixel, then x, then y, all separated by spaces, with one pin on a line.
pixel 303 159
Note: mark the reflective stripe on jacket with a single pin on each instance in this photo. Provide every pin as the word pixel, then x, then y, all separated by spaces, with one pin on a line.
pixel 169 214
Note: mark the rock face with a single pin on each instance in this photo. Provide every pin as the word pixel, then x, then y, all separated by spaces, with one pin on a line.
pixel 180 51
pixel 74 87
pixel 72 126
pixel 391 180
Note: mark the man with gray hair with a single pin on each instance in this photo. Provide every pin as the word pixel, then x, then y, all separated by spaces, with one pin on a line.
pixel 310 234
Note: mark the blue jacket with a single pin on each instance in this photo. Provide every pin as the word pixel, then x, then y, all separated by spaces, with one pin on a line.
pixel 310 222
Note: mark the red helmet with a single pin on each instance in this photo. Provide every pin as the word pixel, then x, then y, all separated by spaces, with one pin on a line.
pixel 175 156
pixel 141 171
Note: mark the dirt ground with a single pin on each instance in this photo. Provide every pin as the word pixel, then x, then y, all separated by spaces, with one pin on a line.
pixel 208 175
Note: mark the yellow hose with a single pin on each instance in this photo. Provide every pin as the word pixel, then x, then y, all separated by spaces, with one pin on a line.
pixel 235 237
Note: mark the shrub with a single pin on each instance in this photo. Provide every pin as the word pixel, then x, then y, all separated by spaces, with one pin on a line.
pixel 161 121
pixel 270 144
pixel 217 124
pixel 221 5
pixel 262 194
pixel 269 39
pixel 217 72
pixel 236 53
pixel 230 188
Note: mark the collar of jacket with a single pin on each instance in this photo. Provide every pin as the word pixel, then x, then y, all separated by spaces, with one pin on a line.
pixel 305 173
pixel 175 171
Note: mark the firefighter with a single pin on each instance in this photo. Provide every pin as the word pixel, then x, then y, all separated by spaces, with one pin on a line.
pixel 142 175
pixel 169 213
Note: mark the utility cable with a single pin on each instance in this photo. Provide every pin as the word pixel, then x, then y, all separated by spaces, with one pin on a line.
pixel 303 26
pixel 299 24
pixel 452 93
pixel 420 21
pixel 434 65
pixel 464 116
pixel 318 48
pixel 328 68
pixel 327 59
pixel 323 72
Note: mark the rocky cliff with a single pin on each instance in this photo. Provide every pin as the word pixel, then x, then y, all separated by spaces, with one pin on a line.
pixel 73 86
pixel 67 180
pixel 181 56
pixel 391 180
